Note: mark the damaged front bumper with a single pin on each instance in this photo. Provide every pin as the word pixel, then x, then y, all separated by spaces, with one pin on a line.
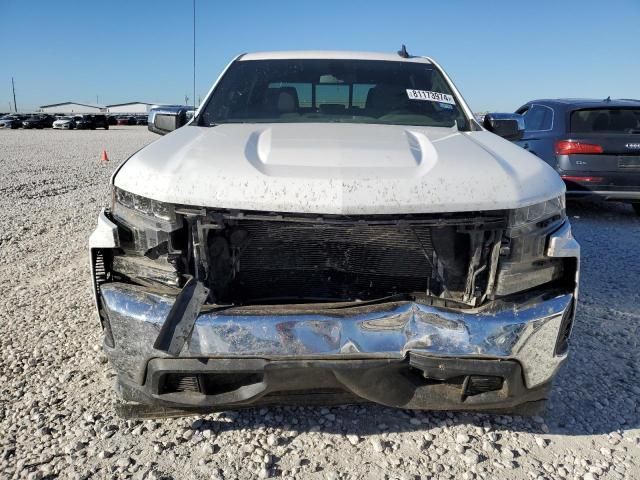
pixel 397 353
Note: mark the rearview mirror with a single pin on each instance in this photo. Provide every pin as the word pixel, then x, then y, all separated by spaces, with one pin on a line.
pixel 165 119
pixel 509 126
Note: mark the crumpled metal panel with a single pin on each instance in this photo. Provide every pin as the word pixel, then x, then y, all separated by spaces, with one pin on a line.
pixel 526 332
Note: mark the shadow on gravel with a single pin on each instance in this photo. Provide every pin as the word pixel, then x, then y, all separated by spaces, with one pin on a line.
pixel 596 391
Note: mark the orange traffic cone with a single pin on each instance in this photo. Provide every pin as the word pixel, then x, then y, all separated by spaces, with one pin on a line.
pixel 104 157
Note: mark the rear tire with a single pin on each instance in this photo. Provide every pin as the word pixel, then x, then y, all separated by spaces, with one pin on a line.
pixel 636 207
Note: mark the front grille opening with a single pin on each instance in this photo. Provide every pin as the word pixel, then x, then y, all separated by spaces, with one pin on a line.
pixel 463 385
pixel 217 383
pixel 331 262
pixel 262 261
pixel 420 377
pixel 477 384
pixel 207 383
pixel 178 383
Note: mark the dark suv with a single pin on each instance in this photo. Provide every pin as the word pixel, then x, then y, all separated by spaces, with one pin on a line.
pixel 92 122
pixel 593 144
pixel 100 121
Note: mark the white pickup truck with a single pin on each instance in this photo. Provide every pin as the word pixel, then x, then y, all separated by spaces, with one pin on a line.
pixel 334 227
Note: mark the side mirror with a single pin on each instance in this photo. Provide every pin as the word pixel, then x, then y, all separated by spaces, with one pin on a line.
pixel 165 119
pixel 509 126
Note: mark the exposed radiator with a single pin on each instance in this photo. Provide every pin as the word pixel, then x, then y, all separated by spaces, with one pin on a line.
pixel 325 261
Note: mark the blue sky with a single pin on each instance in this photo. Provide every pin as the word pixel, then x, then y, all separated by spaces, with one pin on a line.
pixel 499 53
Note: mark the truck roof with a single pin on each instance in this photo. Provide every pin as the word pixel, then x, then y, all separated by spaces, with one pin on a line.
pixel 331 55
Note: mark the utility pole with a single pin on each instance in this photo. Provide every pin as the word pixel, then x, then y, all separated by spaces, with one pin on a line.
pixel 194 54
pixel 13 87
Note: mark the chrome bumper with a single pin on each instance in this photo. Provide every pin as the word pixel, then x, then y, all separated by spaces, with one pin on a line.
pixel 524 332
pixel 524 329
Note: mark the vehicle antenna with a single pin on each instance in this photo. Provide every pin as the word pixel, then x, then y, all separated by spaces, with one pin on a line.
pixel 403 52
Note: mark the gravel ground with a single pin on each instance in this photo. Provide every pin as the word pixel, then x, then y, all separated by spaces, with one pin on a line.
pixel 56 413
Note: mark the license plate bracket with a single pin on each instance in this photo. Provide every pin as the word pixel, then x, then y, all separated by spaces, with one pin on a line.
pixel 629 162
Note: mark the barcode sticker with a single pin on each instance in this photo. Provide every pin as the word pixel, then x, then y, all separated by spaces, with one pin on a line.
pixel 430 96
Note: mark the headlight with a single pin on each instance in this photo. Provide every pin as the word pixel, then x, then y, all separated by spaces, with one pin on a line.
pixel 147 232
pixel 548 211
pixel 144 223
pixel 524 264
pixel 142 205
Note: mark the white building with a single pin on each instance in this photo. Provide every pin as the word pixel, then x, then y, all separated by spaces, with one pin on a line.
pixel 130 108
pixel 71 107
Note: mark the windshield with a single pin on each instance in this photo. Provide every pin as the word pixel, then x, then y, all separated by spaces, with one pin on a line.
pixel 606 120
pixel 350 91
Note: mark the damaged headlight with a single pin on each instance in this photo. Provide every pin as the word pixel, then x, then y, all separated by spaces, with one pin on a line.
pixel 551 210
pixel 143 223
pixel 145 206
pixel 523 263
pixel 148 231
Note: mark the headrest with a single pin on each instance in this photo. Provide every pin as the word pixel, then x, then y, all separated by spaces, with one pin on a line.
pixel 386 97
pixel 287 100
pixel 623 120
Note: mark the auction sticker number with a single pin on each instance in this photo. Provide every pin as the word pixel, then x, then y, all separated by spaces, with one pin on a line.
pixel 430 96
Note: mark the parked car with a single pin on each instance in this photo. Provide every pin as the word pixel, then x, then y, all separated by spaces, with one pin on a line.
pixel 334 227
pixel 47 120
pixel 83 122
pixel 112 120
pixel 65 123
pixel 38 121
pixel 92 122
pixel 100 121
pixel 593 144
pixel 126 120
pixel 11 121
pixel 141 120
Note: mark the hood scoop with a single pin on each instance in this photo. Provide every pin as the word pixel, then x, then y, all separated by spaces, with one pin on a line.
pixel 330 149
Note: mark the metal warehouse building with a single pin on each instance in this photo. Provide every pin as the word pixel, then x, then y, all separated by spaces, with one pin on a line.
pixel 130 107
pixel 71 107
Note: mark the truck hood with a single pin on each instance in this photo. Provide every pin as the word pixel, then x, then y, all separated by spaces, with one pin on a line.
pixel 337 168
